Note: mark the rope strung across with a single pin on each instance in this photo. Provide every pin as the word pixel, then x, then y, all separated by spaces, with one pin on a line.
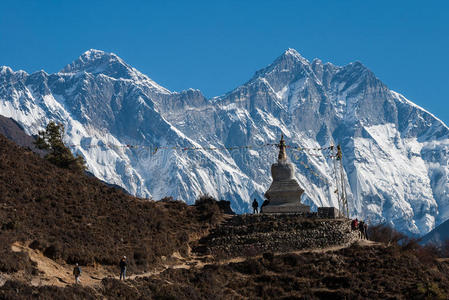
pixel 319 152
pixel 155 149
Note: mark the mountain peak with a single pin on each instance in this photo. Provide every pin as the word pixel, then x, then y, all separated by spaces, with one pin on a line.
pixel 289 59
pixel 291 53
pixel 94 53
pixel 358 65
pixel 287 66
pixel 100 62
pixel 5 70
pixel 356 68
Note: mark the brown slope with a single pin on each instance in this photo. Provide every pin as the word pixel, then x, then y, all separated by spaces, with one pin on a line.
pixel 357 272
pixel 361 271
pixel 76 218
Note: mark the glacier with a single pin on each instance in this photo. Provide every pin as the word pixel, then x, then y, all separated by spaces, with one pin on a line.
pixel 395 154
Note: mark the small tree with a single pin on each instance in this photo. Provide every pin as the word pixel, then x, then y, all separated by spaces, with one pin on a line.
pixel 58 154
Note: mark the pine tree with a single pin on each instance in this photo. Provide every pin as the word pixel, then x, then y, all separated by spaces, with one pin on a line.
pixel 58 154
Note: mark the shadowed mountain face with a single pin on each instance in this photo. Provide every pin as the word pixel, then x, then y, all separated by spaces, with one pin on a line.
pixel 395 153
pixel 15 132
pixel 438 235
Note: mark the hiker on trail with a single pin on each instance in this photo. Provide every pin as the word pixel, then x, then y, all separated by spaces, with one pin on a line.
pixel 255 206
pixel 365 229
pixel 77 273
pixel 355 224
pixel 123 265
pixel 362 229
pixel 266 202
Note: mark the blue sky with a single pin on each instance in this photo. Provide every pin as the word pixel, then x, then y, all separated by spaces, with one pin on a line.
pixel 216 45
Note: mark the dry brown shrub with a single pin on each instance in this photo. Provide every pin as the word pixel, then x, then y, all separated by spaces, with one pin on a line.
pixel 383 233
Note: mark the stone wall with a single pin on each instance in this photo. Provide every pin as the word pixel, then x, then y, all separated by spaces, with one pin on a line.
pixel 246 235
pixel 328 212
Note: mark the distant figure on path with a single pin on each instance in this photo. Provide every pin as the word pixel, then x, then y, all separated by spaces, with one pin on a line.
pixel 266 202
pixel 355 224
pixel 255 206
pixel 77 273
pixel 123 265
pixel 365 229
pixel 362 229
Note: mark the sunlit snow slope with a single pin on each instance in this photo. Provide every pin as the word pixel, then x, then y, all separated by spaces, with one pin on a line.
pixel 395 153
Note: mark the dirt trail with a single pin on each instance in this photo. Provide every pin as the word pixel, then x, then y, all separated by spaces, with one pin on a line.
pixel 54 273
pixel 201 261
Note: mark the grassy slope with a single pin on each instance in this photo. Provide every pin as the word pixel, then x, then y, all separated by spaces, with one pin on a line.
pixel 76 218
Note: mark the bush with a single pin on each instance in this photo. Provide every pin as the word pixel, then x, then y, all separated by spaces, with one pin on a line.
pixel 428 291
pixel 205 200
pixel 427 254
pixel 140 256
pixel 249 267
pixel 445 249
pixel 209 209
pixel 385 234
pixel 268 256
pixel 53 251
pixel 37 245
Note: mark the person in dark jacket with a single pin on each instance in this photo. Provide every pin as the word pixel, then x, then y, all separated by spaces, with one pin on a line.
pixel 123 265
pixel 255 206
pixel 265 203
pixel 362 229
pixel 77 273
pixel 355 224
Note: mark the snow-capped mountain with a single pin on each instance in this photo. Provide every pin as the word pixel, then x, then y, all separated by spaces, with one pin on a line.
pixel 395 153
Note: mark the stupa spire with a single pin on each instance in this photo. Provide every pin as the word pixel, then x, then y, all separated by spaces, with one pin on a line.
pixel 282 157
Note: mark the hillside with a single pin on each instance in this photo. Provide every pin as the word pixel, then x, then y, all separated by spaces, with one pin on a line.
pixel 52 218
pixel 75 218
pixel 357 272
pixel 126 125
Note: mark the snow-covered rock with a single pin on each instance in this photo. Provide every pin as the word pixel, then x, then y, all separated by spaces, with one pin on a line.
pixel 395 153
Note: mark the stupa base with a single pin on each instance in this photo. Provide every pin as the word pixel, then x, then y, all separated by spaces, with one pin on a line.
pixel 286 208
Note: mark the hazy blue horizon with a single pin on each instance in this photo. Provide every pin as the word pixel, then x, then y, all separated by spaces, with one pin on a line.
pixel 216 46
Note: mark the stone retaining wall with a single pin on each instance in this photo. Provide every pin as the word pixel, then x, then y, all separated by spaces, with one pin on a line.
pixel 247 235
